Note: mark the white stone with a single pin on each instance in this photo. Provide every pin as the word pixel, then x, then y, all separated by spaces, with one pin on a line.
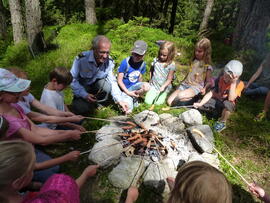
pixel 191 117
pixel 147 118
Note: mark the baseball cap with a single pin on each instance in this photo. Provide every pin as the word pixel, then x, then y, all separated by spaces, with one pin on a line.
pixel 234 67
pixel 10 83
pixel 140 47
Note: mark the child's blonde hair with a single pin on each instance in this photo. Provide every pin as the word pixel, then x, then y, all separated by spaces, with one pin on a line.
pixel 18 72
pixel 199 182
pixel 16 159
pixel 171 51
pixel 205 44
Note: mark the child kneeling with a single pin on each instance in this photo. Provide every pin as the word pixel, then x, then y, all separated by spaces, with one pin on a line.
pixel 223 97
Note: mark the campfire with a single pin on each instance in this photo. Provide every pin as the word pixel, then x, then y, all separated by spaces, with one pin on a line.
pixel 150 148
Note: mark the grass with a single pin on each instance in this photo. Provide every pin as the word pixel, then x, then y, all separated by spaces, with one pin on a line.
pixel 245 143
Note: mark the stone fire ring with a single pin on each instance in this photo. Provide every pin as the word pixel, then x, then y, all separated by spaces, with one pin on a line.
pixel 130 170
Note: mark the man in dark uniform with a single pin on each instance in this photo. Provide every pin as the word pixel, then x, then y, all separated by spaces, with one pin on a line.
pixel 93 79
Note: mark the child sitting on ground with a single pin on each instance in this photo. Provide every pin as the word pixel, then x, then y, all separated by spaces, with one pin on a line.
pixel 223 97
pixel 198 79
pixel 49 115
pixel 259 83
pixel 130 74
pixel 161 74
pixel 17 161
pixel 19 124
pixel 43 169
pixel 53 96
pixel 196 182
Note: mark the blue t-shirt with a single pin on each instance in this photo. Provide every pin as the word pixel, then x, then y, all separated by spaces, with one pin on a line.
pixel 133 74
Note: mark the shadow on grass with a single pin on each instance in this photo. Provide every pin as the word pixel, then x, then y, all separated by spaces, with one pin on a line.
pixel 241 196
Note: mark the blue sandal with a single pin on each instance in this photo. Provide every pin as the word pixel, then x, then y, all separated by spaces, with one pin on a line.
pixel 219 126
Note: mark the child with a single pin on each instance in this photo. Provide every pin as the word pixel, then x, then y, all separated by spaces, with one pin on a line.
pixel 130 74
pixel 19 124
pixel 199 78
pixel 53 96
pixel 196 181
pixel 161 74
pixel 259 83
pixel 50 115
pixel 17 161
pixel 259 192
pixel 223 97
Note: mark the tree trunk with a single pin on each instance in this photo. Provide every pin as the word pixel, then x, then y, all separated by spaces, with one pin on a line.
pixel 34 25
pixel 90 13
pixel 207 13
pixel 252 24
pixel 173 14
pixel 16 20
pixel 3 24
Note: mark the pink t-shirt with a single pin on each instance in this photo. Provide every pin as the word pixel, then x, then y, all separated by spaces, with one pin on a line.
pixel 16 123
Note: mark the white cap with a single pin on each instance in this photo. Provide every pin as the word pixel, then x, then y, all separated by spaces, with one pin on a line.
pixel 234 67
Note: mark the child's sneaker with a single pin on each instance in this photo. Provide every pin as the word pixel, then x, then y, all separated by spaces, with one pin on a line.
pixel 219 126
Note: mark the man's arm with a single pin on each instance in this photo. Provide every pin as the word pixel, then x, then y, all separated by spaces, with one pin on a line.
pixel 77 88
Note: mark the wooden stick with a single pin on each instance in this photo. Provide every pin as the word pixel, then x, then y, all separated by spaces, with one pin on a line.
pixel 238 173
pixel 176 107
pixel 85 152
pixel 89 131
pixel 109 120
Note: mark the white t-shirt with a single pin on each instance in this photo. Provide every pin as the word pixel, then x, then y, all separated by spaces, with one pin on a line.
pixel 54 99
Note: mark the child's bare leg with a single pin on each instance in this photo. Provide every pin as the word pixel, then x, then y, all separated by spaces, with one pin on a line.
pixel 172 97
pixel 186 95
pixel 225 115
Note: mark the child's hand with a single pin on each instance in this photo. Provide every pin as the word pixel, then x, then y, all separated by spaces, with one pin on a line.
pixel 72 156
pixel 75 134
pixel 76 118
pixel 90 170
pixel 171 182
pixel 67 114
pixel 256 190
pixel 197 105
pixel 78 127
pixel 133 94
pixel 132 194
pixel 162 88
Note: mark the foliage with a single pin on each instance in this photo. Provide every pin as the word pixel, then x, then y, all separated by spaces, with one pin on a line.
pixel 16 55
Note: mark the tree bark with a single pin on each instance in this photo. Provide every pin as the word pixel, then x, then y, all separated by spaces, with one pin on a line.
pixel 90 13
pixel 252 24
pixel 207 13
pixel 173 14
pixel 16 20
pixel 34 25
pixel 3 24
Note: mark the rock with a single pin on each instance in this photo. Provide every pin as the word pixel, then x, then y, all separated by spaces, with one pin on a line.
pixel 176 124
pixel 147 118
pixel 191 117
pixel 106 152
pixel 109 132
pixel 211 159
pixel 201 144
pixel 127 172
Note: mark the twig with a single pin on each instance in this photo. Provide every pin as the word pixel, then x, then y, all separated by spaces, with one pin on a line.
pixel 238 173
pixel 89 131
pixel 176 107
pixel 85 152
pixel 109 120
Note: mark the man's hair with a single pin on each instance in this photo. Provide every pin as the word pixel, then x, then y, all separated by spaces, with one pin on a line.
pixel 62 75
pixel 199 182
pixel 97 40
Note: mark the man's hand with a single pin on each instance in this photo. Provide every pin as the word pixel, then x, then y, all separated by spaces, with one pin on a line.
pixel 91 98
pixel 124 106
